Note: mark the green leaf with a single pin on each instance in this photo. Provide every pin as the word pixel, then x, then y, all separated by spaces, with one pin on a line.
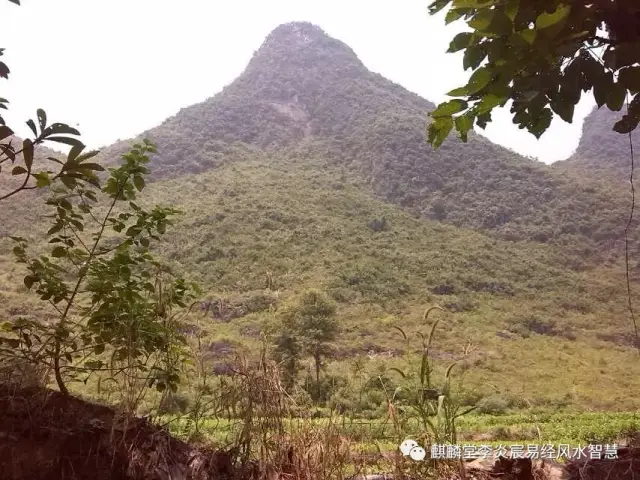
pixel 59 252
pixel 42 119
pixel 79 225
pixel 528 36
pixel 138 181
pixel 75 151
pixel 479 79
pixel 501 24
pixel 482 19
pixel 42 179
pixel 463 124
pixel 601 87
pixel 4 70
pixel 627 124
pixel 621 55
pixel 92 166
pixel 454 14
pixel 546 20
pixel 133 231
pixel 489 102
pixel 542 123
pixel 60 129
pixel 66 141
pixel 630 121
pixel 29 280
pixel 449 108
pixel 68 181
pixel 616 97
pixel 55 229
pixel 18 170
pixel 630 78
pixel 483 119
pixel 32 126
pixel 438 130
pixel 473 3
pixel 5 132
pixel 437 5
pixel 571 82
pixel 458 92
pixel 460 42
pixel 27 153
pixel 512 8
pixel 563 107
pixel 473 57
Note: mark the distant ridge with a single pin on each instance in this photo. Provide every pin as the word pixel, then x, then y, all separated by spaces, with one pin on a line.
pixel 307 96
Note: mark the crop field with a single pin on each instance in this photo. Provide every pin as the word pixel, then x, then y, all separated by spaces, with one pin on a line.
pixel 512 429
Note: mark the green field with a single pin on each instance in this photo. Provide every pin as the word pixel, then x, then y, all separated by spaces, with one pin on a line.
pixel 517 428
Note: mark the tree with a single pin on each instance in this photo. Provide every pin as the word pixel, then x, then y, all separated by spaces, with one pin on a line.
pixel 311 322
pixel 287 354
pixel 541 55
pixel 115 305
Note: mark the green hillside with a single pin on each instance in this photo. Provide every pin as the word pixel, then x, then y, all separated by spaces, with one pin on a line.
pixel 308 96
pixel 530 317
pixel 311 171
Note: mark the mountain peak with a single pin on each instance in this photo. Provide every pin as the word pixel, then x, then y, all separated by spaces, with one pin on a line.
pixel 602 150
pixel 296 31
pixel 305 45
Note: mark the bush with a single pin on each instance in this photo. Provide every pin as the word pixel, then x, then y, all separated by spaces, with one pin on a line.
pixel 321 391
pixel 462 304
pixel 379 225
pixel 497 404
pixel 173 403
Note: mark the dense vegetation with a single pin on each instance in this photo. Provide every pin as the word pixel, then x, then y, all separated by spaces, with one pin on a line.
pixel 256 233
pixel 321 226
pixel 602 152
pixel 541 56
pixel 307 96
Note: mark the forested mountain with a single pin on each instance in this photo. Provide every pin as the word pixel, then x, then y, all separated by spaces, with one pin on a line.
pixel 312 171
pixel 307 95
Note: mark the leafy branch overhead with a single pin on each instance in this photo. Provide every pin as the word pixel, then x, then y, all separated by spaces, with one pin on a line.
pixel 541 55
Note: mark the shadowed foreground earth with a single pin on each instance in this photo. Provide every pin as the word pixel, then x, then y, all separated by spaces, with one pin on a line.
pixel 45 435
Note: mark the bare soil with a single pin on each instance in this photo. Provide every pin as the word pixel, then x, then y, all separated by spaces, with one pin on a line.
pixel 46 435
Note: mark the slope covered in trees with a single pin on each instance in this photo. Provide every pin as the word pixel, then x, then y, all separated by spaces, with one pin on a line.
pixel 311 171
pixel 308 96
pixel 601 150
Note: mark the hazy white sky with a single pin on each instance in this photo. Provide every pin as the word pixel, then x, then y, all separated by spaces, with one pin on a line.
pixel 119 67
